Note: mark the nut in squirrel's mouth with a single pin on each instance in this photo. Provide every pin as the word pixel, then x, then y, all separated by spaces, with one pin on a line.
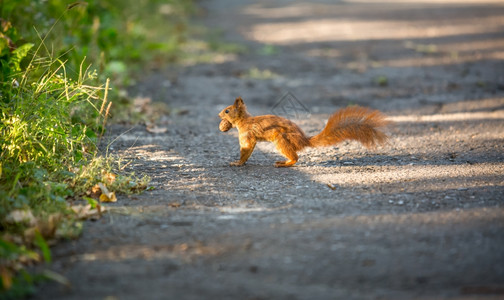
pixel 225 125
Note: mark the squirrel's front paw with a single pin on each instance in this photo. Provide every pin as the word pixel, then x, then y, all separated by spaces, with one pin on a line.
pixel 236 163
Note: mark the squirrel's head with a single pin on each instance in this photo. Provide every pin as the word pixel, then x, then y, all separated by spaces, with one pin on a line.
pixel 234 112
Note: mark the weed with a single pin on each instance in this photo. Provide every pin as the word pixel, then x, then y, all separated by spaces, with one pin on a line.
pixel 216 43
pixel 109 170
pixel 421 48
pixel 381 80
pixel 52 115
pixel 255 73
pixel 268 50
pixel 54 110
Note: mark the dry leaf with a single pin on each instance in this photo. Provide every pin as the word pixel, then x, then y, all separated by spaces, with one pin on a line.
pixel 57 277
pixel 85 211
pixel 156 129
pixel 108 177
pixel 95 192
pixel 110 197
pixel 21 216
pixel 46 227
pixel 182 247
pixel 106 196
pixel 181 112
pixel 80 209
pixel 174 204
pixel 141 104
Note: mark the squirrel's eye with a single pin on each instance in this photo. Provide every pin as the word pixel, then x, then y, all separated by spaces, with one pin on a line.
pixel 227 111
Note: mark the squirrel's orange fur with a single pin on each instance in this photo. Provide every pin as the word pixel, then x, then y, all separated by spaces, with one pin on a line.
pixel 351 123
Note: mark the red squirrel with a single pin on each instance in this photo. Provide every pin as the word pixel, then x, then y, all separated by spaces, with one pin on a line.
pixel 350 123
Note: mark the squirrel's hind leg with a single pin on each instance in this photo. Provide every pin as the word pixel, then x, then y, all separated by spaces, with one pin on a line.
pixel 288 150
pixel 287 163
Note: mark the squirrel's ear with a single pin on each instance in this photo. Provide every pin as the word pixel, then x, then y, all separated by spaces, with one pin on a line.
pixel 239 102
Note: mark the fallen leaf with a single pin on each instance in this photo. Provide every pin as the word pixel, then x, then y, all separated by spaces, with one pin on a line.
pixel 108 177
pixel 182 247
pixel 182 112
pixel 45 227
pixel 141 104
pixel 56 277
pixel 21 216
pixel 156 129
pixel 174 204
pixel 332 187
pixel 85 211
pixel 110 197
pixel 106 196
pixel 95 192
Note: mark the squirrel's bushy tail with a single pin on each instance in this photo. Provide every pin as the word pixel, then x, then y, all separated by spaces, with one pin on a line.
pixel 352 123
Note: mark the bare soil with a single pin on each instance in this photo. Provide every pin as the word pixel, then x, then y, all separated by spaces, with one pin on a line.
pixel 421 218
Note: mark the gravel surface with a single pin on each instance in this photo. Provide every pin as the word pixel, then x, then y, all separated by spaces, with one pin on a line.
pixel 420 218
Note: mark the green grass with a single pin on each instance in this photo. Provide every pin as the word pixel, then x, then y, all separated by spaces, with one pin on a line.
pixel 50 125
pixel 62 69
pixel 64 72
pixel 255 73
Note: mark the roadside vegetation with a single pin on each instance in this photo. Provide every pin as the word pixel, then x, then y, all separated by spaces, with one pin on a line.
pixel 64 69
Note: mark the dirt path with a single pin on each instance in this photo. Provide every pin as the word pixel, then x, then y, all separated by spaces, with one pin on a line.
pixel 420 218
